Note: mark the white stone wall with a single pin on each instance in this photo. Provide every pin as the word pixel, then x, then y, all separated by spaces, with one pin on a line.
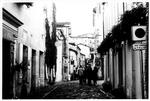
pixel 33 19
pixel 85 50
pixel 59 62
pixel 111 19
pixel 128 71
pixel 31 34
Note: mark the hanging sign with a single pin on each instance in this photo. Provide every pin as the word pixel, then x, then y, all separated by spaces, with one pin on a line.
pixel 139 46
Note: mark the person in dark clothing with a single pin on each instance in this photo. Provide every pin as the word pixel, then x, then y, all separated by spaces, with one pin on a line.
pixel 94 77
pixel 80 73
pixel 85 75
pixel 89 72
pixel 76 74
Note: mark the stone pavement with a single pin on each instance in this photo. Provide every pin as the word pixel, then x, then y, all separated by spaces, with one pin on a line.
pixel 71 90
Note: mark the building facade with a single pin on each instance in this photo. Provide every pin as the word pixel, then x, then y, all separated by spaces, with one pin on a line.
pixel 60 49
pixel 65 29
pixel 125 66
pixel 23 48
pixel 73 60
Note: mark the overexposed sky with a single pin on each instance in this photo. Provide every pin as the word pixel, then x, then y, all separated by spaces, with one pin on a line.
pixel 78 12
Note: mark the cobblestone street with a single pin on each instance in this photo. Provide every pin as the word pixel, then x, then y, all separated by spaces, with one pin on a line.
pixel 92 49
pixel 72 90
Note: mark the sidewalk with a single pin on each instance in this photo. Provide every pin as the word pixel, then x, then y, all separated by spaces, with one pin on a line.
pixel 41 91
pixel 44 91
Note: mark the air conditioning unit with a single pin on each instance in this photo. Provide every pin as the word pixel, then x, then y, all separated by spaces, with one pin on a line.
pixel 139 33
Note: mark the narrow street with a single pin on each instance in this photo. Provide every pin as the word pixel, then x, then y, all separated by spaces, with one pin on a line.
pixel 72 90
pixel 51 47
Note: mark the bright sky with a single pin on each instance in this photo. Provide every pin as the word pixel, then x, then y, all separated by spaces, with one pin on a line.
pixel 78 12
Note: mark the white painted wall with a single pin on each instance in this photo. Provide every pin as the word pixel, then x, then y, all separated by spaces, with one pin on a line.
pixel 105 69
pixel 116 70
pixel 129 71
pixel 111 66
pixel 111 19
pixel 32 32
pixel 137 65
pixel 124 65
pixel 33 19
pixel 85 50
pixel 73 56
pixel 59 62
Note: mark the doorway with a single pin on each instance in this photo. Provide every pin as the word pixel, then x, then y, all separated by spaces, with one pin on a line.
pixel 8 62
pixel 33 66
pixel 25 62
pixel 120 61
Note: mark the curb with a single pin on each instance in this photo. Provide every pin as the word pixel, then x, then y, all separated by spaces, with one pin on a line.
pixel 49 92
pixel 107 94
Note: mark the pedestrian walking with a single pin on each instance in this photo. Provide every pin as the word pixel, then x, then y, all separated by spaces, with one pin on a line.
pixel 94 75
pixel 76 74
pixel 80 73
pixel 84 75
pixel 89 72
